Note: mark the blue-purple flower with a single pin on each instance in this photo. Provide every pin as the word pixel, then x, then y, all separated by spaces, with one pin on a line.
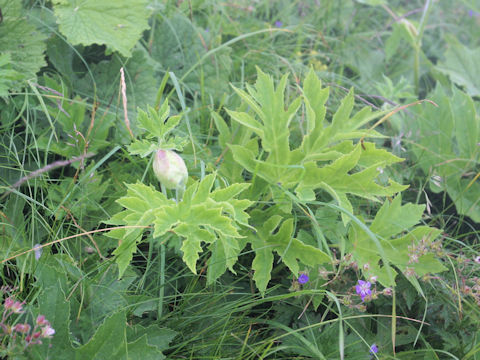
pixel 363 289
pixel 303 279
pixel 373 349
pixel 278 24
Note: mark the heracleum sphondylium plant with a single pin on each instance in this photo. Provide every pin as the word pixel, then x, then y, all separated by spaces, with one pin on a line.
pixel 326 159
pixel 203 216
pixel 225 219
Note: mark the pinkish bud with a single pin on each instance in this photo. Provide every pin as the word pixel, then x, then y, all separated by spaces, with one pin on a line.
pixel 170 169
pixel 387 291
pixel 8 303
pixel 15 306
pixel 22 328
pixel 41 321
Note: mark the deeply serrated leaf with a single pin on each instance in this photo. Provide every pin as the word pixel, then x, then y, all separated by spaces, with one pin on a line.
pixel 225 253
pixel 204 215
pixel 192 244
pixel 266 240
pixel 393 218
pixel 142 148
pixel 198 219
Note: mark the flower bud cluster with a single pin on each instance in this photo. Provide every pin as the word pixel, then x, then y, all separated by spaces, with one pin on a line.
pixel 423 247
pixel 343 275
pixel 21 335
pixel 470 285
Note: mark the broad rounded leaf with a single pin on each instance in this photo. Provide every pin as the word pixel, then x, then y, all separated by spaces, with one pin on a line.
pixel 118 24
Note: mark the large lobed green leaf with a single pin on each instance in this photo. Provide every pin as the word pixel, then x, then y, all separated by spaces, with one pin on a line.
pixel 389 241
pixel 462 66
pixel 22 46
pixel 118 24
pixel 113 339
pixel 445 143
pixel 275 235
pixel 326 158
pixel 202 217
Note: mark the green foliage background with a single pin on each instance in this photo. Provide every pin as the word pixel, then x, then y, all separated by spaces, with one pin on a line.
pixel 307 154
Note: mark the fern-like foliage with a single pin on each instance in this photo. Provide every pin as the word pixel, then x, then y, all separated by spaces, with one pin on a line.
pixel 160 125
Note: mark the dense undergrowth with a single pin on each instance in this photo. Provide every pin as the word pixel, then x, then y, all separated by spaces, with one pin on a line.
pixel 332 204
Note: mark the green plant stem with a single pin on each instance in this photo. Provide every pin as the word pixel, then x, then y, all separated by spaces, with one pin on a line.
pixel 161 292
pixel 418 45
pixel 394 319
pixel 416 69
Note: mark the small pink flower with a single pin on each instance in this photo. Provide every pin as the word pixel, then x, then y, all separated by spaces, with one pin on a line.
pixel 22 328
pixel 413 258
pixel 387 291
pixel 477 259
pixel 48 331
pixel 41 321
pixel 8 303
pixel 15 306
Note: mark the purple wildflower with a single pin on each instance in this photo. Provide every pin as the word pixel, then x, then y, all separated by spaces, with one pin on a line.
pixel 278 24
pixel 37 250
pixel 373 349
pixel 472 13
pixel 363 289
pixel 303 279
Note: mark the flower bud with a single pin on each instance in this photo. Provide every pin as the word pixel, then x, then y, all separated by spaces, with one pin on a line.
pixel 170 169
